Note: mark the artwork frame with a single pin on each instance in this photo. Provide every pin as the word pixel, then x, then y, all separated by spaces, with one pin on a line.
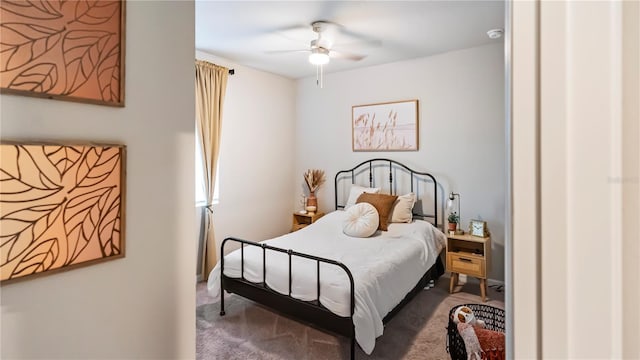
pixel 64 50
pixel 62 206
pixel 399 132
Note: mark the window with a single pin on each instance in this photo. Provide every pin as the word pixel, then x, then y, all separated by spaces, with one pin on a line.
pixel 201 194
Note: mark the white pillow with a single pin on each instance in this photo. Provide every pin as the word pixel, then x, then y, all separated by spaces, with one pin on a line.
pixel 357 191
pixel 361 220
pixel 402 211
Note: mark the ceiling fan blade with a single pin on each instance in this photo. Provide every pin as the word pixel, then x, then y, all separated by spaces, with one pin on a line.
pixel 360 43
pixel 298 26
pixel 362 39
pixel 297 32
pixel 286 51
pixel 345 56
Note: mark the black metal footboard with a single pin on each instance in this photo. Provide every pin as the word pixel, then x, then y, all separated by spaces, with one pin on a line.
pixel 311 311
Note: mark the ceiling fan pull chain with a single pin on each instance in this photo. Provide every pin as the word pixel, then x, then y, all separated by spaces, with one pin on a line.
pixel 319 75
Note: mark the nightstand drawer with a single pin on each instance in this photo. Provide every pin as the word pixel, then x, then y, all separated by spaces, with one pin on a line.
pixel 302 220
pixel 469 265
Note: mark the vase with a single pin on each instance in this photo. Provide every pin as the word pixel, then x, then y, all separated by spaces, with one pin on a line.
pixel 312 200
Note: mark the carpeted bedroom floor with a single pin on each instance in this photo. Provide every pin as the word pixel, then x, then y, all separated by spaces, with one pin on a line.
pixel 250 331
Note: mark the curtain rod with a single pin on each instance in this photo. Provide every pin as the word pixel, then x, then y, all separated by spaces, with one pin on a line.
pixel 232 71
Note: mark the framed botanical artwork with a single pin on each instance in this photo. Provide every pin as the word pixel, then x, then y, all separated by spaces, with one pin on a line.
pixel 61 207
pixel 391 126
pixel 68 50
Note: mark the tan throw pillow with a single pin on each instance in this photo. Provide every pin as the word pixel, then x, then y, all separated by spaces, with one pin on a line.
pixel 402 211
pixel 383 203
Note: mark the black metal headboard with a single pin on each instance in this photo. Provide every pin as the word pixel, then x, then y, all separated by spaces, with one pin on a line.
pixel 389 164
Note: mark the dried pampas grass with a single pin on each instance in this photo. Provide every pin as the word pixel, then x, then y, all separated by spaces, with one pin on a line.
pixel 314 178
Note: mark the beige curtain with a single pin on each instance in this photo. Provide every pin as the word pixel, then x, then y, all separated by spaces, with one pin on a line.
pixel 211 85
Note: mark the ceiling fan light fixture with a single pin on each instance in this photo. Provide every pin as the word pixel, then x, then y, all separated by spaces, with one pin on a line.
pixel 319 56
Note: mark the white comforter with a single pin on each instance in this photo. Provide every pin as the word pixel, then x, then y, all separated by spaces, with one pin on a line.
pixel 385 267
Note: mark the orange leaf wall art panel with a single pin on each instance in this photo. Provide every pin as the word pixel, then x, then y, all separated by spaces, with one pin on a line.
pixel 69 50
pixel 61 206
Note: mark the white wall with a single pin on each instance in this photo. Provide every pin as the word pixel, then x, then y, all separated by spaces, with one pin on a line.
pixel 256 154
pixel 140 306
pixel 462 128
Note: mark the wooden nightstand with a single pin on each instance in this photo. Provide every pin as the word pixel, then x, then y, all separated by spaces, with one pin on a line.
pixel 302 220
pixel 470 255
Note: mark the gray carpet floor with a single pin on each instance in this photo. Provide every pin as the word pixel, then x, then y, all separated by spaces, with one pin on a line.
pixel 251 331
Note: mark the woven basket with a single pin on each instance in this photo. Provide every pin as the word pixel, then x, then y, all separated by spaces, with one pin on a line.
pixel 492 317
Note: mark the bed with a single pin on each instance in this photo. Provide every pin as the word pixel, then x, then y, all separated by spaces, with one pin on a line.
pixel 345 285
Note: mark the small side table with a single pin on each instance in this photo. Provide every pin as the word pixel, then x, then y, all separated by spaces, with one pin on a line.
pixel 302 220
pixel 470 255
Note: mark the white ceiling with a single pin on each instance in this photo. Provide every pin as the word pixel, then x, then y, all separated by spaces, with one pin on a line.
pixel 243 31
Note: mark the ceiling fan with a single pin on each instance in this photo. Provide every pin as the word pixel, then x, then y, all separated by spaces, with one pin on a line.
pixel 321 49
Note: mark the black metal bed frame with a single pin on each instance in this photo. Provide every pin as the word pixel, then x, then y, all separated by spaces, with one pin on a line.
pixel 412 173
pixel 313 312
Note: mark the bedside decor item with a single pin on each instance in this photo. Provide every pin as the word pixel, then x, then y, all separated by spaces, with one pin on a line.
pixel 311 210
pixel 61 206
pixel 478 228
pixel 314 178
pixel 67 50
pixel 303 202
pixel 312 201
pixel 453 209
pixel 391 126
pixel 453 219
